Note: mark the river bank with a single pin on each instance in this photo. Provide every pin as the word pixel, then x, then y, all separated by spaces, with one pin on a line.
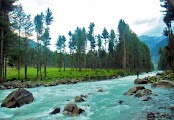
pixel 12 84
pixel 56 78
pixel 32 84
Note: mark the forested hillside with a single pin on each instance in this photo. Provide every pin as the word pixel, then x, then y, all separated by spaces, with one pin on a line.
pixel 86 50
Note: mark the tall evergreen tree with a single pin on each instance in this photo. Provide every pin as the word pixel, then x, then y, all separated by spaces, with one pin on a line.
pixel 72 47
pixel 60 45
pixel 38 22
pixel 111 47
pixel 90 37
pixel 122 29
pixel 28 29
pixel 133 54
pixel 99 43
pixel 18 17
pixel 5 7
pixel 48 21
pixel 168 5
pixel 105 36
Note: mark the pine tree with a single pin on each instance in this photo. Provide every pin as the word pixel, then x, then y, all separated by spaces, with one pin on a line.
pixel 105 36
pixel 90 37
pixel 111 48
pixel 38 22
pixel 60 45
pixel 28 29
pixel 48 21
pixel 168 5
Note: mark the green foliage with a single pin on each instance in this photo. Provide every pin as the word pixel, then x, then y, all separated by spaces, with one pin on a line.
pixel 130 51
pixel 48 17
pixel 38 22
pixel 90 35
pixel 105 36
pixel 60 45
pixel 46 37
pixel 163 61
pixel 168 31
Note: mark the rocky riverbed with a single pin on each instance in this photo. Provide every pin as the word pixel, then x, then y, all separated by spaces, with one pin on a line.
pixel 112 99
pixel 12 84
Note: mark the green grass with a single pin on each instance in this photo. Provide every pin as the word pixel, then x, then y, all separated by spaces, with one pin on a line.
pixel 53 73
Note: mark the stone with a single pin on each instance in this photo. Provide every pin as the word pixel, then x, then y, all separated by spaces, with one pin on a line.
pixel 55 111
pixel 120 102
pixel 147 91
pixel 79 99
pixel 134 90
pixel 18 98
pixel 100 90
pixel 2 87
pixel 150 116
pixel 164 84
pixel 146 98
pixel 83 96
pixel 139 94
pixel 141 81
pixel 172 108
pixel 72 109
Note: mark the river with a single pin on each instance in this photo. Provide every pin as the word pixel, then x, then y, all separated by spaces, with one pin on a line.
pixel 98 105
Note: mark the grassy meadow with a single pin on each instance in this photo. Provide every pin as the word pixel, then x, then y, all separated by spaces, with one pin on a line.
pixel 53 73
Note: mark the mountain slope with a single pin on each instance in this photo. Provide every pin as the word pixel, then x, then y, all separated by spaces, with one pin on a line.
pixel 154 43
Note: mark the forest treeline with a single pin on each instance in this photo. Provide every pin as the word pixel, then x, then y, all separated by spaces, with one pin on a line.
pixel 86 50
pixel 167 53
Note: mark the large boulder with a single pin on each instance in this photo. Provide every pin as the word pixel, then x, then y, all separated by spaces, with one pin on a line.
pixel 18 98
pixel 143 92
pixel 164 83
pixel 72 110
pixel 133 90
pixel 141 81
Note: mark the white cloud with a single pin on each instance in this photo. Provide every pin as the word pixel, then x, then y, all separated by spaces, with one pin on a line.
pixel 69 14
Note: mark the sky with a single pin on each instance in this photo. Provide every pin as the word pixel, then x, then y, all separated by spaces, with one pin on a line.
pixel 143 16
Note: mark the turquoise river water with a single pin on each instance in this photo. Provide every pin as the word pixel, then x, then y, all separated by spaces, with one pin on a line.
pixel 98 105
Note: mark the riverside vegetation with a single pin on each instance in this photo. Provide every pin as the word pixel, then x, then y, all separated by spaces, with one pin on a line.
pixel 56 77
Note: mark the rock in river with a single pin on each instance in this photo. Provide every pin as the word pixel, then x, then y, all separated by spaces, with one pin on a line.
pixel 164 83
pixel 18 98
pixel 134 90
pixel 56 110
pixel 79 99
pixel 141 81
pixel 72 110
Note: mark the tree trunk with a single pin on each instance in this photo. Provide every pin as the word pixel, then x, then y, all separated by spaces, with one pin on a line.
pixel 37 66
pixel 93 61
pixel 5 67
pixel 19 55
pixel 85 61
pixel 1 54
pixel 64 62
pixel 45 62
pixel 40 63
pixel 105 56
pixel 25 58
pixel 124 53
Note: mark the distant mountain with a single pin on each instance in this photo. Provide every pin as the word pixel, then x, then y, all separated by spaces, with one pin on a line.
pixel 154 43
pixel 32 44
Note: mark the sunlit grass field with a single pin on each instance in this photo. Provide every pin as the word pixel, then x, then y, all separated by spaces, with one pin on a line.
pixel 53 73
